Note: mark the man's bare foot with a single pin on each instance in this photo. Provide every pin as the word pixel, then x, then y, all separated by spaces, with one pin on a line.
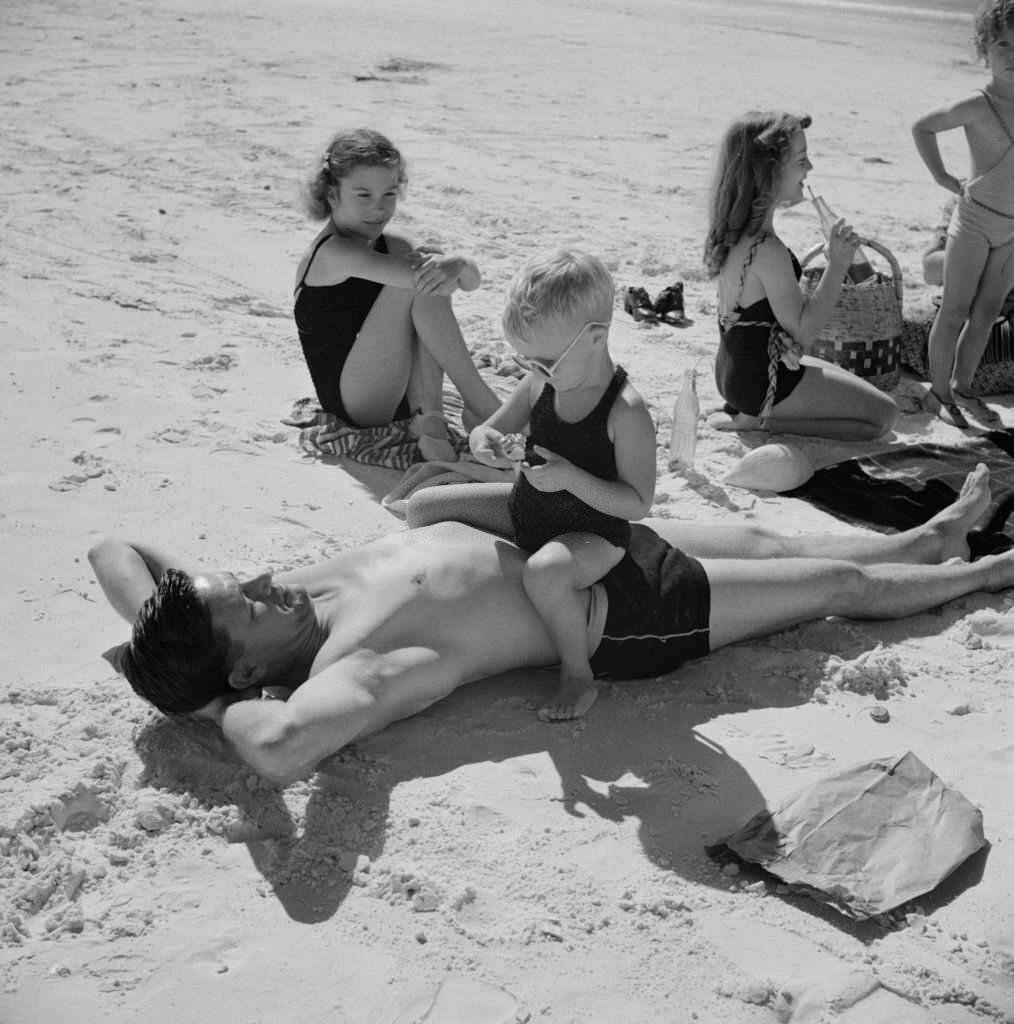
pixel 949 528
pixel 573 697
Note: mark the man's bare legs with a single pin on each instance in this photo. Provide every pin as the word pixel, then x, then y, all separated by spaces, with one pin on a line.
pixel 941 538
pixel 754 598
pixel 554 576
pixel 484 506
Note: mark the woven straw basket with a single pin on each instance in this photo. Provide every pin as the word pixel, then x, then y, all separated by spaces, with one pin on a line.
pixel 864 332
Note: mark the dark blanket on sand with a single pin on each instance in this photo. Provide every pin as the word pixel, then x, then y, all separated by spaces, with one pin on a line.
pixel 903 487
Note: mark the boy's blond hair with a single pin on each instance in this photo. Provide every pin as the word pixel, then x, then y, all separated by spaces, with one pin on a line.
pixel 565 286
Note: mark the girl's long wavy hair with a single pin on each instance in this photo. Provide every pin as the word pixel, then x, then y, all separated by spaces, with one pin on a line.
pixel 750 158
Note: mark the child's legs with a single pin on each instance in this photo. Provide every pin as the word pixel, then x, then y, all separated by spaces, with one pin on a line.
pixel 996 281
pixel 376 373
pixel 483 506
pixel 553 577
pixel 831 402
pixel 438 330
pixel 425 389
pixel 964 260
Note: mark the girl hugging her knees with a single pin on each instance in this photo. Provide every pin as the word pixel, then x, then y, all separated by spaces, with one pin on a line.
pixel 374 311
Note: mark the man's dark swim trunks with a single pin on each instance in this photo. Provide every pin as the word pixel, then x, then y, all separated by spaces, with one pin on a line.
pixel 659 610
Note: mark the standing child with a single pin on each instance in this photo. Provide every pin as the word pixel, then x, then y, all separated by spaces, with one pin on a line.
pixel 979 255
pixel 589 459
pixel 766 325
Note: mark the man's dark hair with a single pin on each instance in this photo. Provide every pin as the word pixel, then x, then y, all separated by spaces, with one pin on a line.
pixel 175 660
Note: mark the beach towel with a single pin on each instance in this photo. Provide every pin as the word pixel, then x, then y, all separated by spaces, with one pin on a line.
pixel 391 445
pixel 865 839
pixel 905 486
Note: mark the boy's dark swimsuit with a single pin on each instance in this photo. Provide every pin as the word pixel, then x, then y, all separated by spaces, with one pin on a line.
pixel 537 516
pixel 329 319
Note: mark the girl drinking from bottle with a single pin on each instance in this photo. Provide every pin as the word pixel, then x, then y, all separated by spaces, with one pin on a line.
pixel 766 324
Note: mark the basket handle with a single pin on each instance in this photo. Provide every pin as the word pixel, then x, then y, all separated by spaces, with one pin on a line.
pixel 877 247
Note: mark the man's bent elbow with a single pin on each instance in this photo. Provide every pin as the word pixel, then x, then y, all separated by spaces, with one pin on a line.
pixel 274 751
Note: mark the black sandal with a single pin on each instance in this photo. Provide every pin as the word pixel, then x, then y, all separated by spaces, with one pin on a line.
pixel 637 302
pixel 669 304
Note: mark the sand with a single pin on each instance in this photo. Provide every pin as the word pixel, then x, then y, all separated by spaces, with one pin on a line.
pixel 472 865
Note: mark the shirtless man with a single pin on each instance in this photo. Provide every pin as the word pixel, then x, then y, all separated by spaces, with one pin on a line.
pixel 382 631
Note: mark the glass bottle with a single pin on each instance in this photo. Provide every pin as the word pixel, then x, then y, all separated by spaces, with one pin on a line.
pixel 860 269
pixel 685 413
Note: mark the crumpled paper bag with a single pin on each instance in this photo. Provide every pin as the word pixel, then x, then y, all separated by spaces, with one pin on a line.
pixel 865 839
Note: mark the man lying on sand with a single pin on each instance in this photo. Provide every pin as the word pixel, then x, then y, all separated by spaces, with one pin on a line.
pixel 382 631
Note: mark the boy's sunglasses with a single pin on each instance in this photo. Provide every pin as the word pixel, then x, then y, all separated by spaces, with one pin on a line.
pixel 549 368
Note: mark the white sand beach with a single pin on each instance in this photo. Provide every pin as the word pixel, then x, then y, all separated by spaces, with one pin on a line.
pixel 472 865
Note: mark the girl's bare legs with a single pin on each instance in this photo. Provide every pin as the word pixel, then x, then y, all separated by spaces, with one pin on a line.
pixel 965 258
pixel 381 363
pixel 553 577
pixel 750 599
pixel 996 281
pixel 941 538
pixel 831 402
pixel 438 330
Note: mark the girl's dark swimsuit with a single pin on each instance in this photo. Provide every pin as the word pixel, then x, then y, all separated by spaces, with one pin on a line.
pixel 537 516
pixel 741 366
pixel 329 318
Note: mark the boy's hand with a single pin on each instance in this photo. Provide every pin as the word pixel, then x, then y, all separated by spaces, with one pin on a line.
pixel 555 474
pixel 952 184
pixel 487 446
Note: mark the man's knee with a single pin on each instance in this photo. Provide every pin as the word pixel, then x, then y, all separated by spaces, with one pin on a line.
pixel 848 587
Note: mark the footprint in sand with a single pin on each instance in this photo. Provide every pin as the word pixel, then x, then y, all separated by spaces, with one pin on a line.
pixel 217 362
pixel 795 755
pixel 90 467
pixel 79 810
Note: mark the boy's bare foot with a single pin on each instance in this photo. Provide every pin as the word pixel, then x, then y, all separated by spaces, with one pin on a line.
pixel 949 527
pixel 573 697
